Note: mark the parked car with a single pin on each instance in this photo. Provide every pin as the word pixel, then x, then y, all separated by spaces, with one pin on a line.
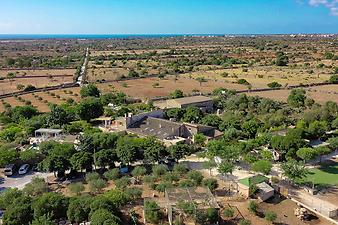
pixel 124 169
pixel 10 170
pixel 23 169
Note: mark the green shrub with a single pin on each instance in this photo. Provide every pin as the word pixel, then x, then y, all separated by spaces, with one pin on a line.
pixel 152 212
pixel 187 207
pixel 97 185
pixel 186 183
pixel 159 170
pixel 334 79
pixel 274 85
pixel 270 216
pixel 243 81
pixel 133 192
pixel 180 169
pixel 139 171
pixel 92 176
pixel 76 188
pixel 118 197
pixel 171 177
pixel 253 207
pixel 211 183
pixel 28 102
pixel 149 179
pixel 112 174
pixel 244 222
pixel 195 176
pixel 29 87
pixel 229 212
pixel 122 183
pixel 162 186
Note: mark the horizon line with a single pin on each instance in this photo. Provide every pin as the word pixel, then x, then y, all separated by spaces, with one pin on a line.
pixel 166 33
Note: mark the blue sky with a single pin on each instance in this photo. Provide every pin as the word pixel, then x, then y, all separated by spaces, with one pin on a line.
pixel 168 16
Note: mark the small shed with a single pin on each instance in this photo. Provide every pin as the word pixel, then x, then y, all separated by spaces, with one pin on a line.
pixel 48 133
pixel 245 185
pixel 105 121
pixel 265 191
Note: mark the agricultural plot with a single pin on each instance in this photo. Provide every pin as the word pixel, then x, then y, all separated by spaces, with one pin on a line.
pixel 220 62
pixel 146 88
pixel 106 74
pixel 121 52
pixel 42 72
pixel 320 94
pixel 117 69
pixel 14 84
pixel 42 100
pixel 260 77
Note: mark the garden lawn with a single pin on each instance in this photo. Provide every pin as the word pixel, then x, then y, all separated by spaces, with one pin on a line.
pixel 324 175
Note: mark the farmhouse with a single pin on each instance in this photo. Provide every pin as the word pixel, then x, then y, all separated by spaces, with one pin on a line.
pixel 202 102
pixel 171 132
pixel 153 124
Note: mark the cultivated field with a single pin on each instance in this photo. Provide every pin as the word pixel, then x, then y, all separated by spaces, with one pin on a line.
pixel 42 100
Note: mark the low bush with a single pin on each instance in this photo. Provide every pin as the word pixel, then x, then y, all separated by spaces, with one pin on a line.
pixel 112 174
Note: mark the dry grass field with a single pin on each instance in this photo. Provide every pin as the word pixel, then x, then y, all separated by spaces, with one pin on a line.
pixel 120 69
pixel 9 86
pixel 41 100
pixel 320 94
pixel 260 76
pixel 43 72
pixel 221 61
pixel 106 73
pixel 121 52
pixel 51 77
pixel 158 50
pixel 144 88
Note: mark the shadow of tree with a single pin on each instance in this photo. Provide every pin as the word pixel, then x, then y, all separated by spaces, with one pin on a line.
pixel 329 169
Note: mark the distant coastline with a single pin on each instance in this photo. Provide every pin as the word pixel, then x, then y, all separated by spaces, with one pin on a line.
pixel 126 36
pixel 94 36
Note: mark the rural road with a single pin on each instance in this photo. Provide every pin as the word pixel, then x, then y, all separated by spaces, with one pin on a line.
pixel 19 181
pixel 81 78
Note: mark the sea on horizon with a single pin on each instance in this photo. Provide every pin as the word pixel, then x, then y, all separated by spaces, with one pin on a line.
pixel 94 36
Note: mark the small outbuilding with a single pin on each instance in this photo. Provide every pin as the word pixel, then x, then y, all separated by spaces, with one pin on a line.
pixel 202 102
pixel 248 185
pixel 45 134
pixel 48 133
pixel 265 191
